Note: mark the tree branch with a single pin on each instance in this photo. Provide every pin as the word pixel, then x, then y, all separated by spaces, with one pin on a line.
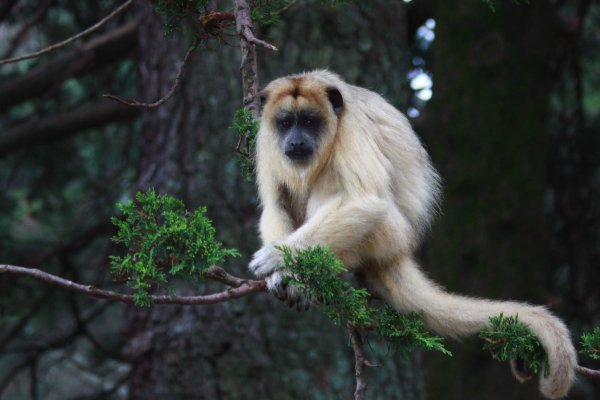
pixel 360 362
pixel 590 373
pixel 218 274
pixel 70 40
pixel 248 67
pixel 62 125
pixel 89 56
pixel 245 288
pixel 161 101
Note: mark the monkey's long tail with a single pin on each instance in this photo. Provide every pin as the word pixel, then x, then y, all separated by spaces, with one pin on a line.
pixel 407 289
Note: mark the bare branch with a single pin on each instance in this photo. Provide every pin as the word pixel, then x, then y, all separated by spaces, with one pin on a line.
pixel 162 100
pixel 590 373
pixel 61 125
pixel 243 22
pixel 248 66
pixel 360 362
pixel 70 40
pixel 245 288
pixel 218 274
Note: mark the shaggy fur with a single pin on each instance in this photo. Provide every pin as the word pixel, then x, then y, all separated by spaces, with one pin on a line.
pixel 369 192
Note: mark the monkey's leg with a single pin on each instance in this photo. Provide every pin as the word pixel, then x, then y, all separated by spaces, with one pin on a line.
pixel 407 289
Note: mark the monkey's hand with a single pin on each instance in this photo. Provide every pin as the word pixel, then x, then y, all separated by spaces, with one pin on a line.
pixel 277 284
pixel 268 263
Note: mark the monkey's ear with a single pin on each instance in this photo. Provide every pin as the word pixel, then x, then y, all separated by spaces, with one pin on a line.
pixel 336 99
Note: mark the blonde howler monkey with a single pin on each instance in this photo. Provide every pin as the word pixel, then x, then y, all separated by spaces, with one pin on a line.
pixel 337 165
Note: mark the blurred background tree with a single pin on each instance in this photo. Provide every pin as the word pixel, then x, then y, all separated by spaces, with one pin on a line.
pixel 505 96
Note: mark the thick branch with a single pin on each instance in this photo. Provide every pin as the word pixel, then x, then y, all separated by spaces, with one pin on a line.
pixel 162 100
pixel 63 125
pixel 70 40
pixel 91 55
pixel 244 289
pixel 360 362
pixel 248 68
pixel 590 373
pixel 218 274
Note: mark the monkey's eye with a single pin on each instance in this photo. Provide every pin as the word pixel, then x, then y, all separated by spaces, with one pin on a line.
pixel 285 123
pixel 307 122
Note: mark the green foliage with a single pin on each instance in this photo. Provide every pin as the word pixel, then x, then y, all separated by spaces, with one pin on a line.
pixel 406 332
pixel 591 344
pixel 316 272
pixel 508 338
pixel 175 11
pixel 164 240
pixel 245 126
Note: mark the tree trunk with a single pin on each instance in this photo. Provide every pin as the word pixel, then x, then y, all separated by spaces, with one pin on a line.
pixel 149 329
pixel 487 136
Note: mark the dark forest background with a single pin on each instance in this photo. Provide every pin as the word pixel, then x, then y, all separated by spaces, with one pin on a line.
pixel 506 97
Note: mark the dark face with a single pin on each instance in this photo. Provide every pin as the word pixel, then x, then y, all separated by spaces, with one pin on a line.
pixel 299 133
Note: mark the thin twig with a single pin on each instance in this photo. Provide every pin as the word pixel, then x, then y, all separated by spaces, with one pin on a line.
pixel 70 40
pixel 245 288
pixel 162 100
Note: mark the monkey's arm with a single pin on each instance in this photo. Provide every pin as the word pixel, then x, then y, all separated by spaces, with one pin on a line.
pixel 275 224
pixel 405 287
pixel 339 223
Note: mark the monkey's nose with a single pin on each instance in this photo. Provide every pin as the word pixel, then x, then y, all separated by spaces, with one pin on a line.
pixel 298 150
pixel 297 145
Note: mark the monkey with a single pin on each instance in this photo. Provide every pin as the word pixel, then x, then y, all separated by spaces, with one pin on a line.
pixel 338 165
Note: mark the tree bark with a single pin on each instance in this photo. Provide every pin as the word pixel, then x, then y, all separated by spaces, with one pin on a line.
pixel 150 329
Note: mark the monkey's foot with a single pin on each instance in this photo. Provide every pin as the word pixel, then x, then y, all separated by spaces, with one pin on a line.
pixel 289 294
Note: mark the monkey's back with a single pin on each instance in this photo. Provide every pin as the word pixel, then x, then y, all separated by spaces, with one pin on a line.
pixel 415 184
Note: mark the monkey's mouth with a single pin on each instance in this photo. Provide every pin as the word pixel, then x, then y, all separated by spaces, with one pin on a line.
pixel 299 155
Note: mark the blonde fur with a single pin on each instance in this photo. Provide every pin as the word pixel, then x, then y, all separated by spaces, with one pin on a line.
pixel 369 193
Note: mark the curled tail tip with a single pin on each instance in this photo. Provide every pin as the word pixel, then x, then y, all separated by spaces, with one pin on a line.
pixel 559 382
pixel 555 391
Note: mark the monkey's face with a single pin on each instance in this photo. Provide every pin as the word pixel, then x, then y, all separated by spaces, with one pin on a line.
pixel 300 115
pixel 299 133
